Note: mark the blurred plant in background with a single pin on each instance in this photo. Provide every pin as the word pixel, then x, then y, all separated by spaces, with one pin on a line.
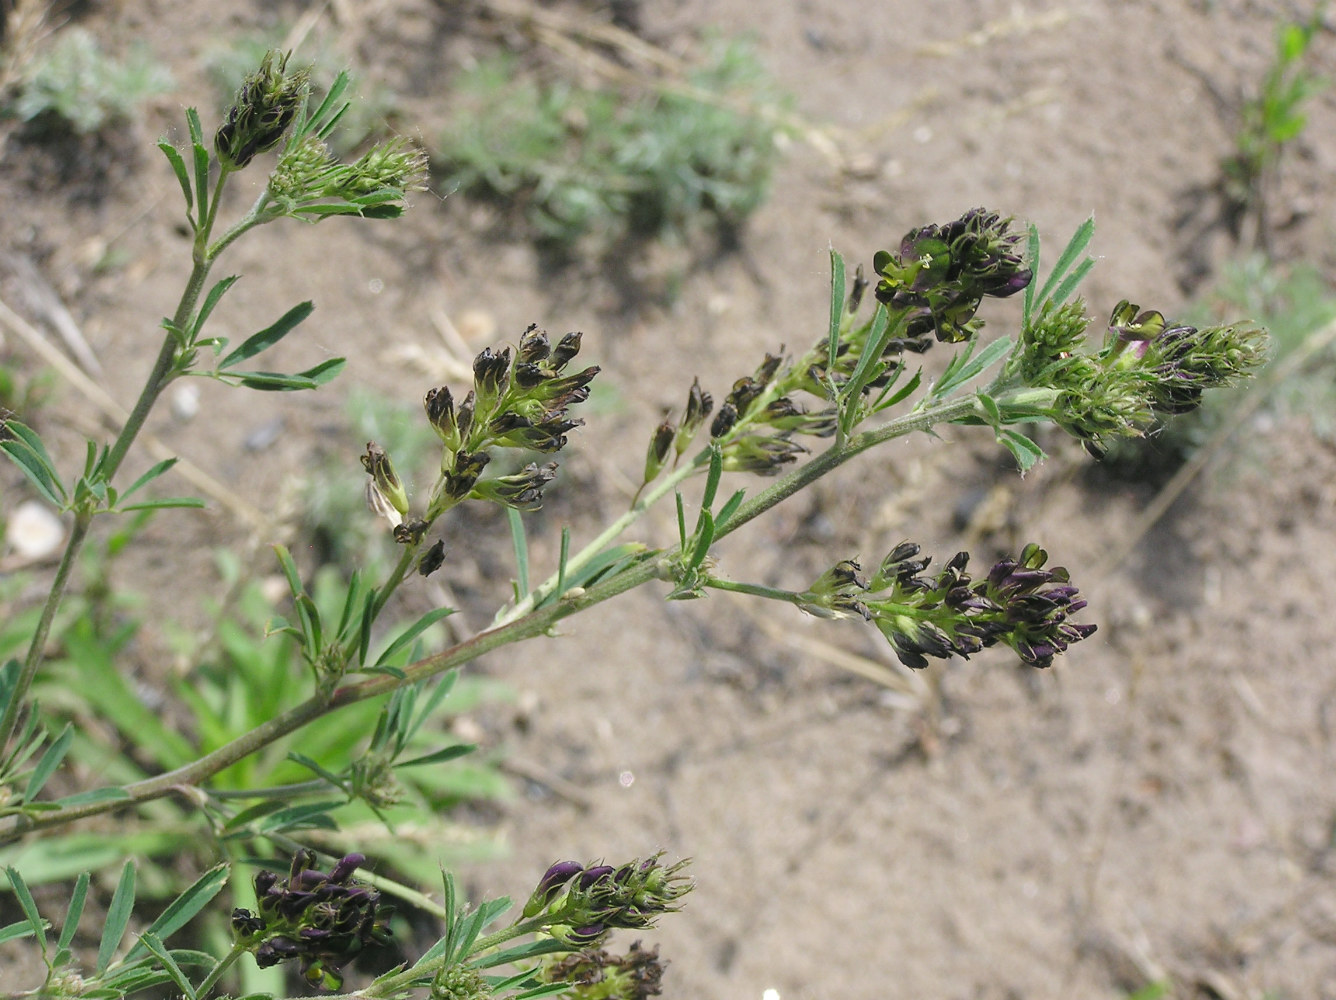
pixel 578 161
pixel 67 78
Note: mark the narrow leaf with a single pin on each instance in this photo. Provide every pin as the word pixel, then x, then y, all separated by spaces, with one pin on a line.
pixel 14 931
pixel 179 168
pixel 184 907
pixel 730 507
pixel 149 476
pixel 521 545
pixel 118 917
pixel 166 503
pixel 437 757
pixel 74 912
pixel 1024 450
pixel 1032 262
pixel 415 630
pixel 974 366
pixel 212 299
pixel 269 336
pixel 55 753
pixel 1075 247
pixel 1064 290
pixel 152 943
pixel 837 290
pixel 30 455
pixel 96 795
pixel 26 903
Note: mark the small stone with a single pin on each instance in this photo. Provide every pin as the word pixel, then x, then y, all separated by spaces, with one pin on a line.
pixel 185 401
pixel 34 531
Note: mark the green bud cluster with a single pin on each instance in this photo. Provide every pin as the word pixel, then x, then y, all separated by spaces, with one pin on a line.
pixel 1148 368
pixel 321 921
pixel 262 111
pixel 374 186
pixel 580 904
pixel 597 975
pixel 1018 604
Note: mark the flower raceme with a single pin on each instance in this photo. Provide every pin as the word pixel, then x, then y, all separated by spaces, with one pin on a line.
pixel 320 920
pixel 580 904
pixel 1018 604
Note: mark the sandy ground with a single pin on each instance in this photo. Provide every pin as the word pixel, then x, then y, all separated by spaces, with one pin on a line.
pixel 1158 807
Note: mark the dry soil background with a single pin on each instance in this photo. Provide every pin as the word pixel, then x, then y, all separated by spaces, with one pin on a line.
pixel 1160 806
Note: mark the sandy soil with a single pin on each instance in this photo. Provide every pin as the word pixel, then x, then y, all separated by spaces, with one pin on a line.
pixel 1160 806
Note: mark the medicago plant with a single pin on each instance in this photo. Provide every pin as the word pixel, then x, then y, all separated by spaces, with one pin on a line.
pixel 858 387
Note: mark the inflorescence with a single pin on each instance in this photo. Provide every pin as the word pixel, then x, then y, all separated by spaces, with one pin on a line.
pixel 322 921
pixel 1018 604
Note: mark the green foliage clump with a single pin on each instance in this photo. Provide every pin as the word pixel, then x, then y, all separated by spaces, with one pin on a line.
pixel 581 160
pixel 75 81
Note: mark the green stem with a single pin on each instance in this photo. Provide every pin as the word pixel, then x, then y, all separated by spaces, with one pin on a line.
pixel 512 629
pixel 211 980
pixel 157 380
pixel 37 648
pixel 754 590
pixel 402 980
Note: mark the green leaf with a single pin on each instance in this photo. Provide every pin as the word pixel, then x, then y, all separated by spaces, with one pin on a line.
pixel 1064 291
pixel 1032 262
pixel 991 412
pixel 149 476
pixel 14 931
pixel 269 336
pixel 438 756
pixel 200 156
pixel 74 912
pixel 837 290
pixel 193 503
pixel 712 479
pixel 521 546
pixel 312 765
pixel 416 629
pixel 183 908
pixel 151 942
pixel 210 301
pixel 26 450
pixel 1075 247
pixel 312 378
pixel 303 817
pixel 118 917
pixel 95 795
pixel 46 767
pixel 1025 451
pixel 519 953
pixel 704 539
pixel 972 367
pixel 26 903
pixel 730 507
pixel 179 168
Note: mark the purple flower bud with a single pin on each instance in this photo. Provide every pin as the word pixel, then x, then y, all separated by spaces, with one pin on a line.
pixel 551 885
pixel 590 876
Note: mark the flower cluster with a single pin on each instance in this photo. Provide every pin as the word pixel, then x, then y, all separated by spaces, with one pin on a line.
pixel 321 920
pixel 260 114
pixel 520 400
pixel 597 975
pixel 942 274
pixel 1019 604
pixel 1148 368
pixel 579 904
pixel 373 186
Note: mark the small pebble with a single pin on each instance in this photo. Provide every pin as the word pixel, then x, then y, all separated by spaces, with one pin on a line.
pixel 185 401
pixel 34 531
